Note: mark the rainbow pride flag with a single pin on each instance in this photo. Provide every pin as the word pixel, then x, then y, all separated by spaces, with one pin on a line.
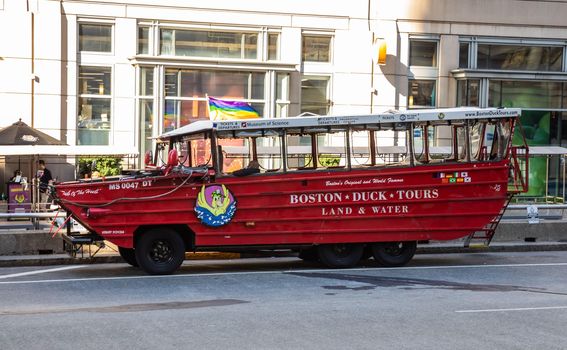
pixel 226 110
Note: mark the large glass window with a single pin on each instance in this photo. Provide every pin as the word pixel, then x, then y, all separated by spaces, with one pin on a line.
pixel 94 120
pixel 421 94
pixel 423 53
pixel 525 94
pixel 186 92
pixel 214 44
pixel 315 95
pixel 516 57
pixel 316 48
pixel 95 37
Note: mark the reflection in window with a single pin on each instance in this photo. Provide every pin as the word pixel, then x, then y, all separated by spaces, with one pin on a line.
pixel 221 84
pixel 423 53
pixel 468 93
pixel 147 122
pixel 273 47
pixel 94 80
pixel 181 112
pixel 213 44
pixel 282 95
pixel 464 55
pixel 93 125
pixel 515 57
pixel 146 81
pixel 186 92
pixel 95 37
pixel 525 94
pixel 94 120
pixel 421 94
pixel 315 95
pixel 316 48
pixel 143 40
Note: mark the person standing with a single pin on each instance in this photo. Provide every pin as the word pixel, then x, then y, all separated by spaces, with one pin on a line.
pixel 45 180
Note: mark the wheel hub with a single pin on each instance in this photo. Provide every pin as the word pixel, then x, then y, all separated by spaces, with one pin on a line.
pixel 161 252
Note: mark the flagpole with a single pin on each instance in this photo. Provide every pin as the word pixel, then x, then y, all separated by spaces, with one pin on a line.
pixel 208 107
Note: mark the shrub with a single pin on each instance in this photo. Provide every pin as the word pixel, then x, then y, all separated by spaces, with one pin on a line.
pixel 105 166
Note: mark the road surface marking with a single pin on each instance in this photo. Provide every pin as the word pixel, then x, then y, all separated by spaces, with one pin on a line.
pixel 262 272
pixel 40 271
pixel 514 309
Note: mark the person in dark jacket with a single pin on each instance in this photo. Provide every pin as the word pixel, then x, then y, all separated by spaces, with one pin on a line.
pixel 45 180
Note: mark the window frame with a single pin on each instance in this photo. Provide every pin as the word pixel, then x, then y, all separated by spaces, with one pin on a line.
pixel 426 39
pixel 241 31
pixel 329 35
pixel 93 21
pixel 410 96
pixel 109 97
pixel 328 91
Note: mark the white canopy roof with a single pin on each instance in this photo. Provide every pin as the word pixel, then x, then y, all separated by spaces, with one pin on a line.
pixel 547 150
pixel 325 121
pixel 64 150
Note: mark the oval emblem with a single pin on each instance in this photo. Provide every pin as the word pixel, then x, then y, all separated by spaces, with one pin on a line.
pixel 215 205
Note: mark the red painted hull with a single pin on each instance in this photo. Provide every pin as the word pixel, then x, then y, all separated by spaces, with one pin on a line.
pixel 435 202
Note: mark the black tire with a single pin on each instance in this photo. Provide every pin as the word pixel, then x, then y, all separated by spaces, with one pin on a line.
pixel 340 255
pixel 393 254
pixel 160 251
pixel 367 253
pixel 129 255
pixel 309 254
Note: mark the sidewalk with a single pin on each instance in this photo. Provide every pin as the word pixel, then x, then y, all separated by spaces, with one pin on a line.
pixel 20 245
pixel 108 255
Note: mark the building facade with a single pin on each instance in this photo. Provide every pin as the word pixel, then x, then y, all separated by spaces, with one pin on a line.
pixel 110 75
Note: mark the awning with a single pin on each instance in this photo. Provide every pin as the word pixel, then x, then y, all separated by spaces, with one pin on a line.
pixel 65 150
pixel 547 150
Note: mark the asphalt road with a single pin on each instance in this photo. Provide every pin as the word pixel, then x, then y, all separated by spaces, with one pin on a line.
pixel 452 301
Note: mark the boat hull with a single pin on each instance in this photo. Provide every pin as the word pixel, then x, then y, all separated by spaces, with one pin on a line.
pixel 431 202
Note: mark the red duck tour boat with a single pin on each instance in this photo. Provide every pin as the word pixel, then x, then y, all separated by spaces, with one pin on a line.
pixel 334 188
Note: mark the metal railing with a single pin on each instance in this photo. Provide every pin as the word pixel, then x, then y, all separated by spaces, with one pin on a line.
pixel 551 211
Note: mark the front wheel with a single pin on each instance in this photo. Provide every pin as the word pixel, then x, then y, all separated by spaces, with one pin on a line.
pixel 340 255
pixel 160 251
pixel 393 254
pixel 129 255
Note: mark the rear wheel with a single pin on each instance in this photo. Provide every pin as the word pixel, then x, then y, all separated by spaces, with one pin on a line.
pixel 129 255
pixel 340 255
pixel 160 251
pixel 392 254
pixel 309 254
